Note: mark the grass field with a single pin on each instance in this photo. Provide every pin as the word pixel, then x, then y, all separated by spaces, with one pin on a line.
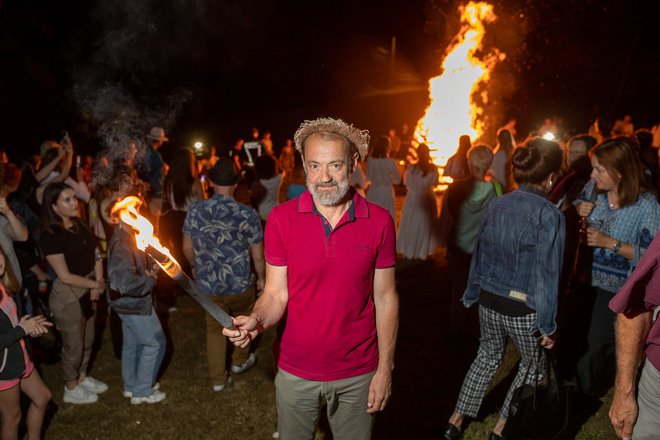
pixel 428 375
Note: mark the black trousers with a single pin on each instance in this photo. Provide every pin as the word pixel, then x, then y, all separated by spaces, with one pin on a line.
pixel 597 366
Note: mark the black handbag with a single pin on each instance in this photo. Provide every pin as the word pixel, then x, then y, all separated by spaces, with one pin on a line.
pixel 540 411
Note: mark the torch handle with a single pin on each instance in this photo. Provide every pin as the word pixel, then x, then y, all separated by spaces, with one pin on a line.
pixel 203 299
pixel 172 269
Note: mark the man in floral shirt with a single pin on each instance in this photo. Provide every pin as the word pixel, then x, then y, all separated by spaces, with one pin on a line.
pixel 220 236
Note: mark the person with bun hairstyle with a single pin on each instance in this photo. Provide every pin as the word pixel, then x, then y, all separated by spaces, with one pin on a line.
pixel 514 277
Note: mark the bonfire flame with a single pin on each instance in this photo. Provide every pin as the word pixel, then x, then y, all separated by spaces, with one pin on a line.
pixel 146 241
pixel 453 110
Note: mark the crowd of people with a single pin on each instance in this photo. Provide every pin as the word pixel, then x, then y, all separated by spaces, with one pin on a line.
pixel 534 234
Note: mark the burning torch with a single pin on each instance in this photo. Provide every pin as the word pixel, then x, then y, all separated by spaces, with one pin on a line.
pixel 148 243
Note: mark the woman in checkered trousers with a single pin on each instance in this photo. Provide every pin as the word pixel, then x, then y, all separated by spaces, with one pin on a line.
pixel 514 277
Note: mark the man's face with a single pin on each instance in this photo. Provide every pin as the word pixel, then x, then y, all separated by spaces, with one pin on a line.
pixel 576 150
pixel 327 166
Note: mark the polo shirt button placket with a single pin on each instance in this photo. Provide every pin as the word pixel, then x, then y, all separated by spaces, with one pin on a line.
pixel 330 249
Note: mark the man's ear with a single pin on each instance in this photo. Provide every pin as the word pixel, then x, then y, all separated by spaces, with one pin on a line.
pixel 353 163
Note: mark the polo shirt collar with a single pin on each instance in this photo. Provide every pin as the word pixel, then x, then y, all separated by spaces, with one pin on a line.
pixel 357 209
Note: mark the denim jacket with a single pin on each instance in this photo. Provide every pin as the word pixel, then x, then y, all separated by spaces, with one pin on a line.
pixel 519 254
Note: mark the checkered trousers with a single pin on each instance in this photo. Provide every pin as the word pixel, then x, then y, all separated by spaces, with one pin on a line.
pixel 495 328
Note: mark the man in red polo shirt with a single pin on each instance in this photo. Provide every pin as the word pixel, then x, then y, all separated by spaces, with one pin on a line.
pixel 330 267
pixel 635 410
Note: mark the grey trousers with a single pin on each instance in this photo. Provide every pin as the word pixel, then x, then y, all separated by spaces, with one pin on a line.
pixel 647 426
pixel 77 332
pixel 299 402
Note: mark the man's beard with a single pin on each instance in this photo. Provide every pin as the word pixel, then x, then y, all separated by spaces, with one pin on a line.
pixel 329 198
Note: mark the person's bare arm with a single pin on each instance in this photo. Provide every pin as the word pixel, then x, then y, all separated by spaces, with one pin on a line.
pixel 17 229
pixel 596 238
pixel 46 169
pixel 257 252
pixel 631 333
pixel 66 168
pixel 68 159
pixel 386 301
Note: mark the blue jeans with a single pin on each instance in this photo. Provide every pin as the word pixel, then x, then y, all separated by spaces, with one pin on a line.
pixel 142 353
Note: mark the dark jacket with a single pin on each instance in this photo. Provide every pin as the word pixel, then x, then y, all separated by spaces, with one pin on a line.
pixel 129 287
pixel 12 363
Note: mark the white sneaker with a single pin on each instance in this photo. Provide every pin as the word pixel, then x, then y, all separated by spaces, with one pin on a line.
pixel 93 385
pixel 221 388
pixel 157 396
pixel 129 394
pixel 249 363
pixel 79 396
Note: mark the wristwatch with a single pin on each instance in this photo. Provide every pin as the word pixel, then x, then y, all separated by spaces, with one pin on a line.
pixel 617 246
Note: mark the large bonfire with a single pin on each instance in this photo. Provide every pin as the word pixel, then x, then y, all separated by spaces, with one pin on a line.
pixel 456 95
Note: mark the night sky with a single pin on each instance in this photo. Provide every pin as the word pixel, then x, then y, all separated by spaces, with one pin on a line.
pixel 211 69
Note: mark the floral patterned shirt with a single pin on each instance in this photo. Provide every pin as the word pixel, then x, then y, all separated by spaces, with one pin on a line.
pixel 222 231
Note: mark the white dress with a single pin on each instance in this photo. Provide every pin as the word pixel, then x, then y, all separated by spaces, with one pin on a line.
pixel 383 173
pixel 418 231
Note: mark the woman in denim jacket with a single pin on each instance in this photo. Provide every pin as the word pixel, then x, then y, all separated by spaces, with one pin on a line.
pixel 622 223
pixel 514 276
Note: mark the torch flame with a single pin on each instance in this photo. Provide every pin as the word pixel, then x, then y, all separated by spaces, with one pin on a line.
pixel 127 209
pixel 452 110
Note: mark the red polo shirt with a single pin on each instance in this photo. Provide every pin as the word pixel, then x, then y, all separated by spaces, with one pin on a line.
pixel 641 293
pixel 329 330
